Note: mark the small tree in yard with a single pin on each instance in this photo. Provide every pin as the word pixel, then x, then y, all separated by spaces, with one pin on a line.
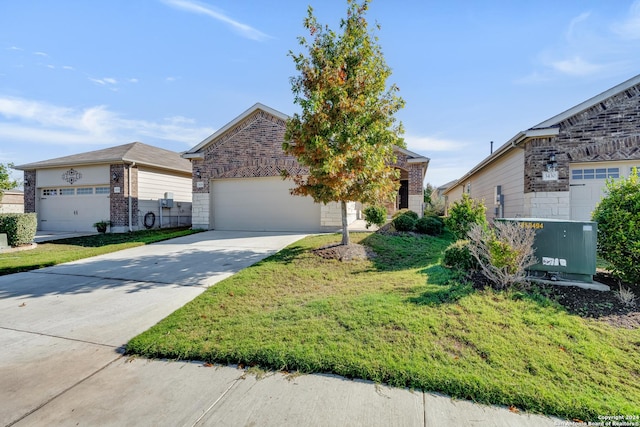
pixel 6 183
pixel 346 131
pixel 463 214
pixel 618 218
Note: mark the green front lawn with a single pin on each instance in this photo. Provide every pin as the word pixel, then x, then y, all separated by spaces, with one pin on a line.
pixel 65 250
pixel 404 320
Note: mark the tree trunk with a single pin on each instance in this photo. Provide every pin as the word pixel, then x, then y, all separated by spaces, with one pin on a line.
pixel 345 230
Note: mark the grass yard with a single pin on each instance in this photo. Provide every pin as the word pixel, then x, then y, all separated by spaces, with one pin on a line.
pixel 65 250
pixel 404 320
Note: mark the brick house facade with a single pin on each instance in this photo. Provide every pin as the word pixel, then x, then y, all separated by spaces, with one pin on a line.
pixel 250 147
pixel 120 184
pixel 558 168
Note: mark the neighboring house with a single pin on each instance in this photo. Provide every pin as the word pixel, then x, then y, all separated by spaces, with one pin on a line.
pixel 121 184
pixel 558 168
pixel 237 182
pixel 12 202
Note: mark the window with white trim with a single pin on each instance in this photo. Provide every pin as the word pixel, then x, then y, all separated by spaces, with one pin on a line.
pixel 595 173
pixel 102 190
pixel 67 191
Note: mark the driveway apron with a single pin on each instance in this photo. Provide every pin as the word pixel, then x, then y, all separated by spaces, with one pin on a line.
pixel 60 326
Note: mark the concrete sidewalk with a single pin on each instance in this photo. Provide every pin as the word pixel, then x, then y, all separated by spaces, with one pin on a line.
pixel 62 330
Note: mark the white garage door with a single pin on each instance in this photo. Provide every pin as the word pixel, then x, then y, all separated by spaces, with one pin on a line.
pixel 588 185
pixel 261 204
pixel 72 209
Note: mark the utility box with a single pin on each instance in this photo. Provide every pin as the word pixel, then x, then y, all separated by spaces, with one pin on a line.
pixel 565 250
pixel 167 202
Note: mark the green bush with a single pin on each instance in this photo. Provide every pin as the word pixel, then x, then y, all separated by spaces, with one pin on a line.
pixel 375 215
pixel 19 227
pixel 402 212
pixel 463 214
pixel 404 222
pixel 618 218
pixel 457 256
pixel 431 225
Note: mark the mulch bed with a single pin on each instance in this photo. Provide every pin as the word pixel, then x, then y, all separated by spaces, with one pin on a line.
pixel 589 303
pixel 350 252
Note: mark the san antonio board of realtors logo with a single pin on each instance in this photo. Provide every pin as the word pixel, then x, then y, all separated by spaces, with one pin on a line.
pixel 71 176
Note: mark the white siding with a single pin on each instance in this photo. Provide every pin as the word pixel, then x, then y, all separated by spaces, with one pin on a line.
pixel 152 184
pixel 508 172
pixel 88 175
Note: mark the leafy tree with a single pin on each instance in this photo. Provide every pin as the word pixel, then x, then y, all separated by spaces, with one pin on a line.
pixel 6 183
pixel 618 218
pixel 346 131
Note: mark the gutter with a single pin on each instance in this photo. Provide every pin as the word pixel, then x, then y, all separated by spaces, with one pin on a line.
pixel 129 166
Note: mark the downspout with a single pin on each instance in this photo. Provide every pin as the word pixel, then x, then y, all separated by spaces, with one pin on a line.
pixel 130 199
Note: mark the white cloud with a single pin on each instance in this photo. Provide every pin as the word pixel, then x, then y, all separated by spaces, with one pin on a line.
pixel 575 22
pixel 104 81
pixel 576 66
pixel 35 121
pixel 428 144
pixel 68 67
pixel 41 54
pixel 14 48
pixel 630 27
pixel 134 80
pixel 195 7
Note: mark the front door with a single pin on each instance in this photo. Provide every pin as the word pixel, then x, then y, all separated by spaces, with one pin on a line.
pixel 404 195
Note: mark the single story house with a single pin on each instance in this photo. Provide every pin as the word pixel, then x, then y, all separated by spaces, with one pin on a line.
pixel 132 185
pixel 237 182
pixel 12 201
pixel 558 168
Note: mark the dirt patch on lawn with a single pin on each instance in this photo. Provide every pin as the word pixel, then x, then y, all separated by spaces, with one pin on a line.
pixel 350 252
pixel 589 303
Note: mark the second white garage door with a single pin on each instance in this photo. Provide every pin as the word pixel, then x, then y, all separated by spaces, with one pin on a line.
pixel 261 204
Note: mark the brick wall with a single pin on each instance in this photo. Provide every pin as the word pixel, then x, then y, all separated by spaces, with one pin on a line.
pixel 609 130
pixel 30 191
pixel 253 148
pixel 119 202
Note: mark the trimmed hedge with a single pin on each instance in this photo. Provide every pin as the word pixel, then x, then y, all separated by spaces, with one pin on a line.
pixel 431 225
pixel 19 227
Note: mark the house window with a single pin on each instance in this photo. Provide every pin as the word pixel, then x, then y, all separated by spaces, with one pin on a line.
pixel 67 191
pixel 85 191
pixel 468 188
pixel 102 190
pixel 599 173
pixel 50 192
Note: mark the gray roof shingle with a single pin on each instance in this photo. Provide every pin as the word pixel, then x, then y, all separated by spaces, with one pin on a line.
pixel 137 152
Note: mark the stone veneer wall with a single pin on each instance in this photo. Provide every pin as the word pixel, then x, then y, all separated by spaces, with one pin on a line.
pixel 548 204
pixel 119 202
pixel 607 131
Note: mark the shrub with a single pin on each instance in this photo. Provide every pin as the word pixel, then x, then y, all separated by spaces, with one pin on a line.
pixel 618 218
pixel 431 225
pixel 504 252
pixel 457 256
pixel 375 215
pixel 19 227
pixel 402 212
pixel 463 214
pixel 435 207
pixel 404 222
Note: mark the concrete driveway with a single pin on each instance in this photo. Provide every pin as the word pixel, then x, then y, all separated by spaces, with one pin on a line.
pixel 62 330
pixel 61 325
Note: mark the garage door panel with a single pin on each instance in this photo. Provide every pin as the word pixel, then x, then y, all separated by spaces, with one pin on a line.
pixel 261 204
pixel 72 212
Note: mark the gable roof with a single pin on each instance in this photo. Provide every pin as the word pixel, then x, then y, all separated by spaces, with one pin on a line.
pixel 193 153
pixel 135 152
pixel 547 128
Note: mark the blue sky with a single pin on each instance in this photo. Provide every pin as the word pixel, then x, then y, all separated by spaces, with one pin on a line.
pixel 80 75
